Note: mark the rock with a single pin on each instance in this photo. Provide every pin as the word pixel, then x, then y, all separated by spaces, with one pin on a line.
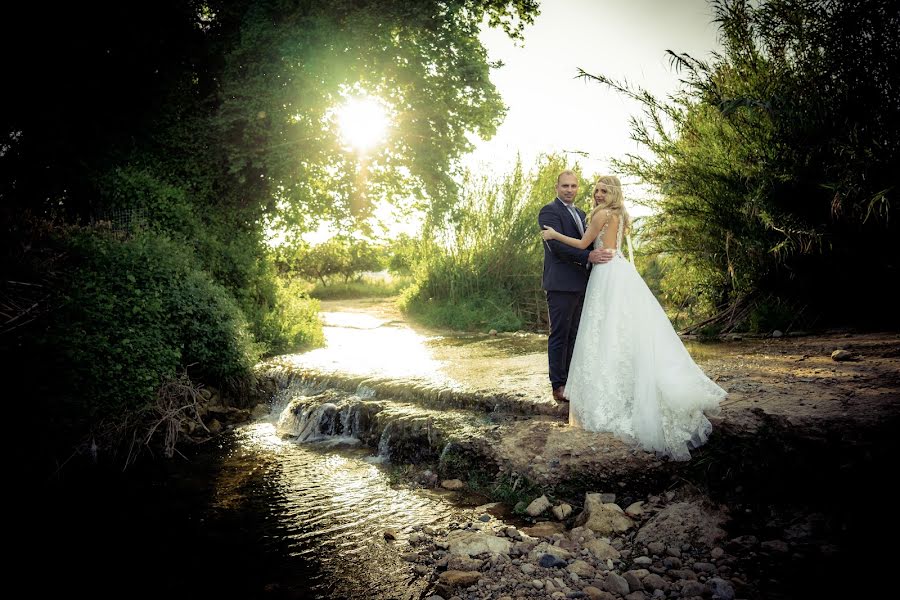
pixel 601 549
pixel 259 411
pixel 635 509
pixel 410 556
pixel 562 511
pixel 543 529
pixel 603 518
pixel 670 562
pixel 635 596
pixel 548 561
pixel 717 553
pixel 692 588
pixel 452 484
pixel 843 355
pixel 643 561
pixel 464 563
pixel 537 506
pixel 683 574
pixel 656 548
pixel 492 332
pixel 777 333
pixel 484 518
pixel 634 583
pixel 471 543
pixel 654 582
pixel 775 546
pixel 527 568
pixel 720 589
pixel 704 567
pixel 390 533
pixel 459 578
pixel 581 568
pixel 616 584
pixel 684 523
pixel 545 548
pixel 537 584
pixel 742 543
pixel 214 426
pixel 597 594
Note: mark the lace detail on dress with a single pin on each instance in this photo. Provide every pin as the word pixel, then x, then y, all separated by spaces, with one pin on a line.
pixel 598 243
pixel 630 374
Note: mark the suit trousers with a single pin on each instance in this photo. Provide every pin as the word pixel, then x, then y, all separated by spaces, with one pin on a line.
pixel 564 310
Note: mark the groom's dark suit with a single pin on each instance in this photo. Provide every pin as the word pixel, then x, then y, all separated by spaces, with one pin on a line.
pixel 565 279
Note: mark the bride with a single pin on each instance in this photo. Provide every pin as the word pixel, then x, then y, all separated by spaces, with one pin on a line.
pixel 630 373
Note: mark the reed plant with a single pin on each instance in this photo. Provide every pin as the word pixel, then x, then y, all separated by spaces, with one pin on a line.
pixel 480 265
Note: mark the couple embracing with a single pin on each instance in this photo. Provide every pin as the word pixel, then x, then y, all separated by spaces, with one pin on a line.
pixel 613 354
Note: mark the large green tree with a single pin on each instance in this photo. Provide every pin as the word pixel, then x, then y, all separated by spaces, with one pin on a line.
pixel 776 163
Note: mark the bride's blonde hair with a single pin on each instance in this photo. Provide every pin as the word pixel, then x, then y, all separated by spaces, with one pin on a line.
pixel 615 200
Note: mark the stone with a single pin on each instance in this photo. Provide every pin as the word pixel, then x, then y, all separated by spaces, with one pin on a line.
pixel 653 582
pixel 720 589
pixel 656 548
pixel 684 523
pixel 562 511
pixel 597 594
pixel 670 562
pixel 635 509
pixel 459 578
pixel 464 563
pixel 452 484
pixel 601 549
pixel 548 561
pixel 634 582
pixel 692 588
pixel 603 518
pixel 842 355
pixel 537 506
pixel 775 546
pixel 616 584
pixel 472 543
pixel 581 568
pixel 543 529
pixel 390 533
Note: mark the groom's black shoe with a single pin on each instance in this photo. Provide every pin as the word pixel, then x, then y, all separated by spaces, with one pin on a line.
pixel 559 394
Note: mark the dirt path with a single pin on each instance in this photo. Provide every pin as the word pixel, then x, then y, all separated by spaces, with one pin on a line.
pixel 791 384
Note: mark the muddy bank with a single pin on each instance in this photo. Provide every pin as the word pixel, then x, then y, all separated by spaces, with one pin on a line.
pixel 804 443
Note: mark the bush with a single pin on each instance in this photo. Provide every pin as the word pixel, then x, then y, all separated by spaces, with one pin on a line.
pixel 293 323
pixel 133 314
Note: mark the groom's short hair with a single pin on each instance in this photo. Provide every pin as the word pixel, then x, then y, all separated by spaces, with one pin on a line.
pixel 566 172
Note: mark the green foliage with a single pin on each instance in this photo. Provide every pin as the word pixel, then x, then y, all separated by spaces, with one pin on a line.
pixel 776 163
pixel 367 286
pixel 339 257
pixel 479 266
pixel 136 312
pixel 293 324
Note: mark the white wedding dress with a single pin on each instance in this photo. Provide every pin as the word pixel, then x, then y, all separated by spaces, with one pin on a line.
pixel 630 373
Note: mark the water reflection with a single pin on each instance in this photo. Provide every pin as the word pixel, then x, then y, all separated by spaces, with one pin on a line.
pixel 331 508
pixel 361 344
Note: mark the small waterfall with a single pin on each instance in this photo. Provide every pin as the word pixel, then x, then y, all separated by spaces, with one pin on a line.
pixel 384 444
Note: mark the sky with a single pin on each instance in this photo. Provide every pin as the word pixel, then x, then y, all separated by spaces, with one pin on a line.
pixel 550 110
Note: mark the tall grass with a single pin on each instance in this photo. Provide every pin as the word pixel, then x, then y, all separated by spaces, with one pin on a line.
pixel 480 267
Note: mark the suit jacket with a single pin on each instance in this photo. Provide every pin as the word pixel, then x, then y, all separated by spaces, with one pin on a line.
pixel 565 268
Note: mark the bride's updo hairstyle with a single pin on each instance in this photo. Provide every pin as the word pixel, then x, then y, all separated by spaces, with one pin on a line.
pixel 615 200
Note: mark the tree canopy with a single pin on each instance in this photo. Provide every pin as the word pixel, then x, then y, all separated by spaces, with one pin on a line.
pixel 776 163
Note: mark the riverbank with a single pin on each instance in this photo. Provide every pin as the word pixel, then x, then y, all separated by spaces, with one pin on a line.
pixel 804 434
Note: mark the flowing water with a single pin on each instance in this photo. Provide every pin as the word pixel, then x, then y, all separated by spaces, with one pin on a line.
pixel 295 505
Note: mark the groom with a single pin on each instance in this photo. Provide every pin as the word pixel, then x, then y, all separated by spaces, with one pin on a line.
pixel 565 278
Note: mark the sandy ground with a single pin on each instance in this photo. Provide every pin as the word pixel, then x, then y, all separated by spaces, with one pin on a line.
pixel 791 379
